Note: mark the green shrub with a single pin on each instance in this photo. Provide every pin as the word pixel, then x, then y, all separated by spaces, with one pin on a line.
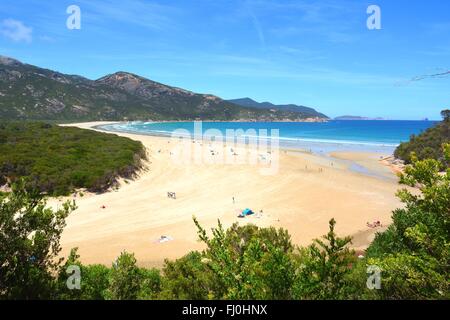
pixel 29 250
pixel 414 252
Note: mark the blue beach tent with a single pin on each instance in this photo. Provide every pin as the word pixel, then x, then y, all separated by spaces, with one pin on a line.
pixel 246 212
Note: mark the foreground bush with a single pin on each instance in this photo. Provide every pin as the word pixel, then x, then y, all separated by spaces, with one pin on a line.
pixel 29 244
pixel 248 262
pixel 323 268
pixel 123 281
pixel 414 252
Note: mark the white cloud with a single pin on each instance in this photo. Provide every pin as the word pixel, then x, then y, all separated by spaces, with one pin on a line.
pixel 16 30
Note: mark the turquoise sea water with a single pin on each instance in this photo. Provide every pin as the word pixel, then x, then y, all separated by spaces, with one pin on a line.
pixel 373 136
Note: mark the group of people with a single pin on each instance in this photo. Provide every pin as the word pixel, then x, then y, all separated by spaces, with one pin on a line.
pixel 375 224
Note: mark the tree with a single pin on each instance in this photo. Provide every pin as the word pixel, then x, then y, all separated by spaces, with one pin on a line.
pixel 248 262
pixel 323 267
pixel 187 278
pixel 414 253
pixel 124 279
pixel 445 114
pixel 30 244
pixel 94 280
pixel 150 284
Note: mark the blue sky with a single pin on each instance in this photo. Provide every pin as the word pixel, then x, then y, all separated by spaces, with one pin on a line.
pixel 314 53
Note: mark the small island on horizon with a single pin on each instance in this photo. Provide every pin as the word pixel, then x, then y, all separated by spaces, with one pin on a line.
pixel 358 118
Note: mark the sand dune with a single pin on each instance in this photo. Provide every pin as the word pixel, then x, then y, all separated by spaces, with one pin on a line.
pixel 306 193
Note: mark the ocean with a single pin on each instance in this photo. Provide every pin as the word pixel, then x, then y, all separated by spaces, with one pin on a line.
pixel 370 136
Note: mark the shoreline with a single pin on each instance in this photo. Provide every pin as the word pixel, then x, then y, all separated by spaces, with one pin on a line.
pixel 345 145
pixel 343 154
pixel 139 212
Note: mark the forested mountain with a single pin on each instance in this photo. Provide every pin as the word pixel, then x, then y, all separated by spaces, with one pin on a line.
pixel 30 92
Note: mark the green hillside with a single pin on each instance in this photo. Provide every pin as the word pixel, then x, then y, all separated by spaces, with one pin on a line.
pixel 309 112
pixel 427 145
pixel 56 160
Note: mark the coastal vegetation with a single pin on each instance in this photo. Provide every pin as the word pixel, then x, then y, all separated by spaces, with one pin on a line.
pixel 57 160
pixel 244 262
pixel 427 145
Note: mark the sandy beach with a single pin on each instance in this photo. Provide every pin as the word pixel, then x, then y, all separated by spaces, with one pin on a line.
pixel 302 197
